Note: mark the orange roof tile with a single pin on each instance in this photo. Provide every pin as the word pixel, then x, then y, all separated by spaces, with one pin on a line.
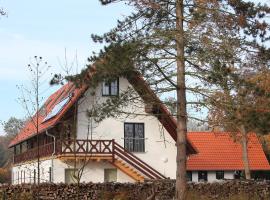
pixel 29 130
pixel 218 151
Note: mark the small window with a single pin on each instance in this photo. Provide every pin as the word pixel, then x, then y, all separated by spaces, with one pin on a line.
pixel 24 147
pixel 18 177
pixel 34 176
pixel 30 176
pixel 189 176
pixel 134 137
pixel 202 176
pixel 17 150
pixel 219 175
pixel 71 175
pixel 110 88
pixel 30 144
pixel 50 174
pixel 23 176
pixel 110 175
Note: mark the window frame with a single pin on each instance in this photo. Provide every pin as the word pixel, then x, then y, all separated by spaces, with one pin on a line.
pixel 143 138
pixel 189 176
pixel 106 170
pixel 35 176
pixel 110 89
pixel 202 179
pixel 18 176
pixel 72 170
pixel 50 174
pixel 222 175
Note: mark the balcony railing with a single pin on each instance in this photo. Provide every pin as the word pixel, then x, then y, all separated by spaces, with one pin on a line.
pixel 87 147
pixel 31 154
pixel 68 147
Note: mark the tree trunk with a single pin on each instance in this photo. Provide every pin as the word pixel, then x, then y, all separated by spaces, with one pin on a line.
pixel 244 142
pixel 181 186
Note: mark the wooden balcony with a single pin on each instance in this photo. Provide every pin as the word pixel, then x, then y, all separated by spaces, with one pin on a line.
pixel 90 149
pixel 69 148
pixel 31 154
pixel 93 149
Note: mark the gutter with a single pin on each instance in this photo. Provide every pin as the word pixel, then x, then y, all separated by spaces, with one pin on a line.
pixel 52 156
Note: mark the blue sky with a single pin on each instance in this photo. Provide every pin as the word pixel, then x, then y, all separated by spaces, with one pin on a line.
pixel 48 29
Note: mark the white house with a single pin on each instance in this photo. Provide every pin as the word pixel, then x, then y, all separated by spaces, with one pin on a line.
pixel 127 148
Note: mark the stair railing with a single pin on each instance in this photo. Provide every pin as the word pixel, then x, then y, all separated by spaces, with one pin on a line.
pixel 135 162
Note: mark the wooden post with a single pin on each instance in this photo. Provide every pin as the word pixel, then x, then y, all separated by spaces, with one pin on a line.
pixel 113 155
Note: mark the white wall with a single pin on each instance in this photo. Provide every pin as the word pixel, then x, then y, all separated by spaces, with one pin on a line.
pixel 229 174
pixel 24 173
pixel 156 151
pixel 195 176
pixel 211 176
pixel 93 172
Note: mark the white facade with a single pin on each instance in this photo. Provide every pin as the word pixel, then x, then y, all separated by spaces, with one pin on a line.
pixel 93 172
pixel 160 149
pixel 211 176
pixel 158 154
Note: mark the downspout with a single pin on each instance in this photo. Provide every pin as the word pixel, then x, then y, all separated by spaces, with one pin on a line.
pixel 50 135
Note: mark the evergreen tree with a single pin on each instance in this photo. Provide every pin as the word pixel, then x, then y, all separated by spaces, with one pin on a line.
pixel 13 126
pixel 241 105
pixel 175 45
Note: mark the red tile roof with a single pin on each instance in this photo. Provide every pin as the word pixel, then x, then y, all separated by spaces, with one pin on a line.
pixel 29 129
pixel 218 151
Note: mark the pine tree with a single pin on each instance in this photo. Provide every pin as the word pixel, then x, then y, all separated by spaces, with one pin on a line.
pixel 169 41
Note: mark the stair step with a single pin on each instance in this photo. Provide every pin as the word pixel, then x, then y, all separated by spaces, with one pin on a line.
pixel 129 170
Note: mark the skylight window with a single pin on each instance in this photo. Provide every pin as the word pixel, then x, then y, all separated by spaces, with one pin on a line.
pixel 57 108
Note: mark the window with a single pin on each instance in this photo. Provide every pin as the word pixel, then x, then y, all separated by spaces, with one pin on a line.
pixel 110 175
pixel 189 176
pixel 34 176
pixel 70 175
pixel 219 175
pixel 30 144
pixel 202 176
pixel 134 137
pixel 30 176
pixel 110 88
pixel 23 147
pixel 23 176
pixel 50 174
pixel 17 150
pixel 18 177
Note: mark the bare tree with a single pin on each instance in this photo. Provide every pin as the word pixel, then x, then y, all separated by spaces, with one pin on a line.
pixel 32 98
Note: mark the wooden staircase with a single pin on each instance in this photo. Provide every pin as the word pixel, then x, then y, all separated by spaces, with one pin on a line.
pixel 110 151
pixel 128 170
pixel 131 165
